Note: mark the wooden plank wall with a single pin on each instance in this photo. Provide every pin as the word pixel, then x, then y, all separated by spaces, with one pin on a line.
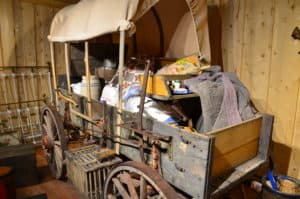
pixel 24 27
pixel 257 46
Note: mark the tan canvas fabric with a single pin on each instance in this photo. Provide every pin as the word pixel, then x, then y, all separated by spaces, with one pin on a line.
pixel 91 18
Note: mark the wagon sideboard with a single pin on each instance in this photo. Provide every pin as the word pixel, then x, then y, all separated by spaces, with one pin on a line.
pixel 199 160
pixel 202 165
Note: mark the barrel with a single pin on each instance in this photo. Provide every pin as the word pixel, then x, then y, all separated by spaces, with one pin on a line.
pixel 289 188
pixel 95 87
pixel 7 185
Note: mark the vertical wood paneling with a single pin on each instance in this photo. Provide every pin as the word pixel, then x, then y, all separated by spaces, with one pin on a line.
pixel 226 7
pixel 43 18
pixel 7 32
pixel 294 169
pixel 285 79
pixel 268 63
pixel 258 34
pixel 233 14
pixel 59 56
pixel 238 34
pixel 1 51
pixel 24 29
pixel 59 59
pixel 25 33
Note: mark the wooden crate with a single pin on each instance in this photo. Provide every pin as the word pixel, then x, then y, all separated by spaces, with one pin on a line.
pixel 86 172
pixel 235 145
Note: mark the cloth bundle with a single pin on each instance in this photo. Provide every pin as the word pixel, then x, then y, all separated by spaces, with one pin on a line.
pixel 224 99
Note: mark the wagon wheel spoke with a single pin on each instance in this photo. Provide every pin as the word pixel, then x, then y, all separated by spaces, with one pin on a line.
pixel 137 180
pixel 47 130
pixel 121 188
pixel 58 157
pixel 50 125
pixel 54 142
pixel 110 196
pixel 143 190
pixel 126 179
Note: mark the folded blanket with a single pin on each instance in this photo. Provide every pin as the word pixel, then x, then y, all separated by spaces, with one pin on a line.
pixel 224 99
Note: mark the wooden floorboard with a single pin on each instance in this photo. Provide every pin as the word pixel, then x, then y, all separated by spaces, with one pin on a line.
pixel 55 189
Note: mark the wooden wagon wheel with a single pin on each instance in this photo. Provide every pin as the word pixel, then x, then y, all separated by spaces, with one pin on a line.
pixel 53 140
pixel 137 181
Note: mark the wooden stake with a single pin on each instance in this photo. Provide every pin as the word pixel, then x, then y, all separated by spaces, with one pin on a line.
pixel 53 72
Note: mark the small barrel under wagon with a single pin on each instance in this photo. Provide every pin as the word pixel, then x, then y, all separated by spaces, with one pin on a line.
pixel 127 155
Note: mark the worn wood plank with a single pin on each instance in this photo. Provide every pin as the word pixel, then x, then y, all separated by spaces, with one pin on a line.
pixel 25 34
pixel 28 35
pixel 266 136
pixel 255 68
pixel 232 14
pixel 226 10
pixel 238 25
pixel 240 174
pixel 59 55
pixel 43 17
pixel 234 145
pixel 294 169
pixel 284 83
pixel 290 12
pixel 18 16
pixel 228 161
pixel 231 138
pixel 7 32
pixel 1 50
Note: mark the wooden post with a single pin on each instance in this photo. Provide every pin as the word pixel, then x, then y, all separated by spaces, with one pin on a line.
pixel 67 62
pixel 53 72
pixel 120 71
pixel 88 78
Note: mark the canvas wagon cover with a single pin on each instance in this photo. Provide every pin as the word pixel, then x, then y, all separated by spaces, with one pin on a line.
pixel 88 19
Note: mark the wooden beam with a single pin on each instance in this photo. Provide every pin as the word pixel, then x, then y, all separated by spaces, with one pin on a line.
pixel 52 3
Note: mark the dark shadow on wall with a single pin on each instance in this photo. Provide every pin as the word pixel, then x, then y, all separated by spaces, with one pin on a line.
pixel 281 155
pixel 215 34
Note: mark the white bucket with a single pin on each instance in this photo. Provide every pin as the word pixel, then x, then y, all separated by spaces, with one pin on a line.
pixel 76 88
pixel 95 87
